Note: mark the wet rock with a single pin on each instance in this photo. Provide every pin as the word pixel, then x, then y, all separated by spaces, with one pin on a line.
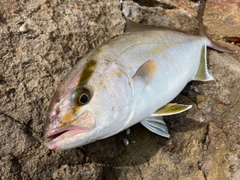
pixel 35 57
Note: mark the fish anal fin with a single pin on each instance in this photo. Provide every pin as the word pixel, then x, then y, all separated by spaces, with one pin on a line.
pixel 156 125
pixel 147 71
pixel 170 109
pixel 202 73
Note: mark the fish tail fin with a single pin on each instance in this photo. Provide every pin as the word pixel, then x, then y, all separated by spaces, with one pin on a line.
pixel 202 31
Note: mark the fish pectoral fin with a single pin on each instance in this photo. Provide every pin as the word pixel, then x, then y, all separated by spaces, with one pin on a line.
pixel 156 125
pixel 170 109
pixel 147 71
pixel 202 73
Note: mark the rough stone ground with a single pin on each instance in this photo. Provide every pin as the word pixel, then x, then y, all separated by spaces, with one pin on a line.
pixel 40 41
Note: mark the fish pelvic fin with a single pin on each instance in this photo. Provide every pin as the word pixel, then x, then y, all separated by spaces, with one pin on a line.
pixel 147 71
pixel 155 122
pixel 156 125
pixel 202 73
pixel 202 31
pixel 171 109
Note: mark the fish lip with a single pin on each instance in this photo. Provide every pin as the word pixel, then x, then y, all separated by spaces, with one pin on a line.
pixel 82 124
pixel 53 134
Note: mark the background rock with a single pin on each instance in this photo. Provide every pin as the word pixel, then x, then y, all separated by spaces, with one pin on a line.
pixel 40 41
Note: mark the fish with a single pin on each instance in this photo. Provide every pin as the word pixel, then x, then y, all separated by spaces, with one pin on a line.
pixel 129 79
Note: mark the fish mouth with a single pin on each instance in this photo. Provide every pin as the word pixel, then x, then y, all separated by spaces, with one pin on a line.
pixel 63 136
pixel 58 132
pixel 84 123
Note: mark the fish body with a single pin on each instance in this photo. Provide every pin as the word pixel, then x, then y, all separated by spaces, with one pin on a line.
pixel 128 79
pixel 137 97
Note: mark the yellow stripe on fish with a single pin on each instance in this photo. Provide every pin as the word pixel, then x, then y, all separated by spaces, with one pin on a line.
pixel 87 72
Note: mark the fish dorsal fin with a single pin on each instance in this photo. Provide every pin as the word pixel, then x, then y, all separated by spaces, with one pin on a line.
pixel 202 74
pixel 132 26
pixel 156 125
pixel 147 71
pixel 170 109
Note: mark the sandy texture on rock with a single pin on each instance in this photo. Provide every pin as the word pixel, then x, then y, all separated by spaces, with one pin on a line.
pixel 40 41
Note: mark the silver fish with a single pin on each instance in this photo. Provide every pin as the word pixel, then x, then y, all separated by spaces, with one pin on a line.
pixel 128 79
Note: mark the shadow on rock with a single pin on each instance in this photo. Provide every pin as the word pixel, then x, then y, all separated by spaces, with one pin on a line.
pixel 118 159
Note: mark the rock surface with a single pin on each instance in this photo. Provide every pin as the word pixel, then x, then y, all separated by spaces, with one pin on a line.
pixel 40 41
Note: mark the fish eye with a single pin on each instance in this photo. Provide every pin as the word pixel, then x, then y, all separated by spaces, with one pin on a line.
pixel 81 96
pixel 84 98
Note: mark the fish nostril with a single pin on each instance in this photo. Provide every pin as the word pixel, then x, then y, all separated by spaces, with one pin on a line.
pixel 57 111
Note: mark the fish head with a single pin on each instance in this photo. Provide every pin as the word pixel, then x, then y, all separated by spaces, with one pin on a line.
pixel 83 109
